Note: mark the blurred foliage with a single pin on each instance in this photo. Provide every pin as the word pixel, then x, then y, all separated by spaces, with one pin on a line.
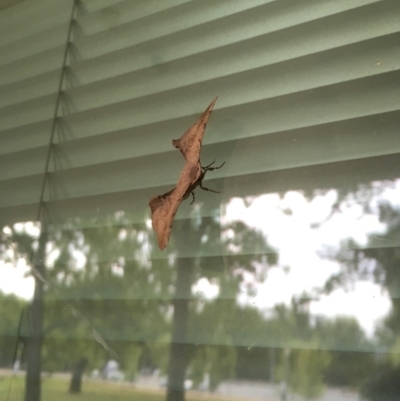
pixel 383 384
pixel 11 308
pixel 306 376
pixel 376 373
pixel 352 357
pixel 113 275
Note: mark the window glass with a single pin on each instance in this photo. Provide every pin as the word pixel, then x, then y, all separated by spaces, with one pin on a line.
pixel 281 281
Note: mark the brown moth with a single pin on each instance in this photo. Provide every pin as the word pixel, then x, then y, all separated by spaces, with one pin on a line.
pixel 164 207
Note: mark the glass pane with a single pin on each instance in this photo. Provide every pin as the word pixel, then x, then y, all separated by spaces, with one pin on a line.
pixel 282 285
pixel 301 301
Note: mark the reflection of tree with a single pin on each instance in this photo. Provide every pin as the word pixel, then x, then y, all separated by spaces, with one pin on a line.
pixel 211 354
pixel 179 349
pixel 22 245
pixel 11 311
pixel 125 297
pixel 76 380
pixel 123 300
pixel 85 306
pixel 308 367
pixel 351 355
pixel 322 351
pixel 378 262
pixel 35 339
pixel 126 291
pixel 384 385
pixel 302 364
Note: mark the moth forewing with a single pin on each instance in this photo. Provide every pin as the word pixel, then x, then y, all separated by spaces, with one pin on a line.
pixel 164 207
pixel 191 141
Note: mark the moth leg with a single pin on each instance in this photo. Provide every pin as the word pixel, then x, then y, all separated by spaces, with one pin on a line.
pixel 209 168
pixel 192 193
pixel 207 189
pixel 216 168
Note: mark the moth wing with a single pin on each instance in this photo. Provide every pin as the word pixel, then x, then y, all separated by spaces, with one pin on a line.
pixel 190 142
pixel 163 210
pixel 164 207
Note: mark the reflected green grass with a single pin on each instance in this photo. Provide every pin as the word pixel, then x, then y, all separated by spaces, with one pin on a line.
pixel 56 389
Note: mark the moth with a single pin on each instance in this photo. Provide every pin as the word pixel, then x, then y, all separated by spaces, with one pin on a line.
pixel 164 207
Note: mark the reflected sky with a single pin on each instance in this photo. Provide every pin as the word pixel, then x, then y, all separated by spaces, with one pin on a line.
pixel 300 228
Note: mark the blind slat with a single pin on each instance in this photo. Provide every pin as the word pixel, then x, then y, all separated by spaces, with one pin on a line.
pixel 232 29
pixel 16 53
pixel 47 60
pixel 108 16
pixel 25 19
pixel 93 21
pixel 339 65
pixel 359 99
pixel 245 32
pixel 265 341
pixel 136 112
pixel 341 140
pixel 339 175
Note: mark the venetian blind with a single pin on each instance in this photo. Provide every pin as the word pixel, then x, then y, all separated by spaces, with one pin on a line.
pixel 308 98
pixel 307 90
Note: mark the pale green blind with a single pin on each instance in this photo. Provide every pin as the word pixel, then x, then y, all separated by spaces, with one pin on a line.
pixel 308 98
